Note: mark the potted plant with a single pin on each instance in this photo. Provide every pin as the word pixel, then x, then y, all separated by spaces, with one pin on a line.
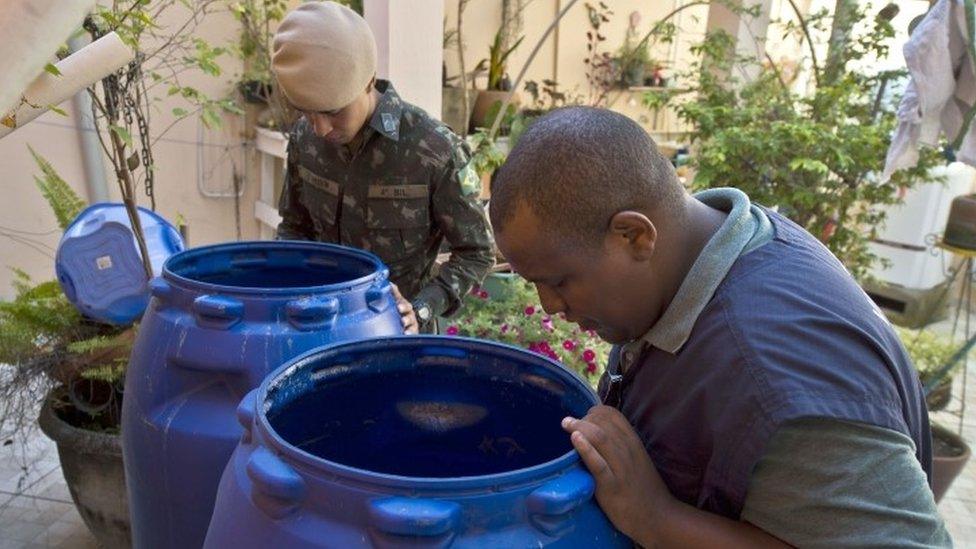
pixel 486 157
pixel 949 456
pixel 498 85
pixel 935 357
pixel 75 367
pixel 52 354
pixel 510 313
pixel 815 154
pixel 257 86
pixel 634 55
pixel 930 352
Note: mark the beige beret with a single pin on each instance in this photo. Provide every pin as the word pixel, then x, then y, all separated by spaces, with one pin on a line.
pixel 324 56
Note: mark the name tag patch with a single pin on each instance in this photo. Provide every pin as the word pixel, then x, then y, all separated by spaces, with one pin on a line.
pixel 398 191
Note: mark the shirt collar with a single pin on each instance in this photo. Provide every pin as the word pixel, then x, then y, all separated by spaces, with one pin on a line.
pixel 746 228
pixel 389 110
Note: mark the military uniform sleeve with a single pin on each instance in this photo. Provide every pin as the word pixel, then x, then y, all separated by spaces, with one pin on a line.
pixel 831 483
pixel 461 218
pixel 296 223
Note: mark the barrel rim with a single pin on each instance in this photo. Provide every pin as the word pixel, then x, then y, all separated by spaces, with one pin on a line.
pixel 522 476
pixel 380 273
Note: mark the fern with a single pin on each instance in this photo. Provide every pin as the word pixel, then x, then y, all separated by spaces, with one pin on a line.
pixel 109 373
pixel 63 200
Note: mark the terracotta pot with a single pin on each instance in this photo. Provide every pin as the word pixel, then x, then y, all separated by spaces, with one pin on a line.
pixel 949 455
pixel 960 228
pixel 940 396
pixel 91 462
pixel 487 98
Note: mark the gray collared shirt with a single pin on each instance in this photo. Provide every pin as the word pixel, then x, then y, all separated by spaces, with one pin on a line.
pixel 746 228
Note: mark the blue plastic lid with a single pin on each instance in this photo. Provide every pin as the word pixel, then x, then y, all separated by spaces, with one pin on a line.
pixel 99 266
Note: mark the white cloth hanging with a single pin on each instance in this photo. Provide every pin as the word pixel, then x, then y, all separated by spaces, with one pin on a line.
pixel 941 91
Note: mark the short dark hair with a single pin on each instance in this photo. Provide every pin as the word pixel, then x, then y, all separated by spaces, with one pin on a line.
pixel 578 166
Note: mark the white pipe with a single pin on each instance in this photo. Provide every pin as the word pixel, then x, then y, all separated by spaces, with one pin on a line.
pixel 32 32
pixel 82 69
pixel 91 151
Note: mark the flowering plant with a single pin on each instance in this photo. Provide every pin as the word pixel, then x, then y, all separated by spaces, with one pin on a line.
pixel 514 316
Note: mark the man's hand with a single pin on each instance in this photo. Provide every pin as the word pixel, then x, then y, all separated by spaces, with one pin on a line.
pixel 628 487
pixel 407 316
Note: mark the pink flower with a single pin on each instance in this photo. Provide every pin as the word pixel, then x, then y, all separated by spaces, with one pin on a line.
pixel 590 368
pixel 589 356
pixel 545 347
pixel 475 290
pixel 569 345
pixel 504 328
pixel 530 310
pixel 452 330
pixel 483 294
pixel 547 324
pixel 553 355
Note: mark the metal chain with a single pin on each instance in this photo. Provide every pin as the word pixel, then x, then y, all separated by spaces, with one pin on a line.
pixel 131 110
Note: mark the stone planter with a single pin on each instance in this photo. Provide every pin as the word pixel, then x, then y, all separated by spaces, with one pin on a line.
pixel 500 285
pixel 452 107
pixel 949 455
pixel 91 462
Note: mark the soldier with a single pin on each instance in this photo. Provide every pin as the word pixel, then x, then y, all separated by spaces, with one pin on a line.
pixel 369 170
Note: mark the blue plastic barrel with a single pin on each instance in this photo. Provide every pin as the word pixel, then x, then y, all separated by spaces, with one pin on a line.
pixel 412 441
pixel 99 265
pixel 221 318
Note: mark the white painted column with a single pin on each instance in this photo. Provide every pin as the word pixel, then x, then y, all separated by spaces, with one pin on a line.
pixel 409 43
pixel 749 32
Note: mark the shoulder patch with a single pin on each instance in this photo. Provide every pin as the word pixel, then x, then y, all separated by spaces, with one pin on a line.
pixel 469 180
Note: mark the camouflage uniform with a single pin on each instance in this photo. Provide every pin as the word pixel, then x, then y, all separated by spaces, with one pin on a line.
pixel 408 188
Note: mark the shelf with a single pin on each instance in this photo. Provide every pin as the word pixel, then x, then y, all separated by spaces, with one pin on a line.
pixel 272 142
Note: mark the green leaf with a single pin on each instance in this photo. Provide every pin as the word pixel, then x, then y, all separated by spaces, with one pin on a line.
pixel 55 108
pixel 180 112
pixel 210 118
pixel 64 202
pixel 51 68
pixel 122 133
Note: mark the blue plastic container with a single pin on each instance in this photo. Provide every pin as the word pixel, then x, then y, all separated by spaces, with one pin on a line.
pixel 99 264
pixel 412 441
pixel 221 318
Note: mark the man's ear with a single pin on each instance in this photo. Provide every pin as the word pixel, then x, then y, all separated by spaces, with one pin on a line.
pixel 634 231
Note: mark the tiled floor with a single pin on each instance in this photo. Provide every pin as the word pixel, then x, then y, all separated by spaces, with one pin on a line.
pixel 35 507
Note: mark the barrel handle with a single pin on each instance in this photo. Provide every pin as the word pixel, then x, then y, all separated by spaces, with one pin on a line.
pixel 312 313
pixel 217 311
pixel 246 412
pixel 278 490
pixel 379 297
pixel 399 521
pixel 160 289
pixel 552 506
